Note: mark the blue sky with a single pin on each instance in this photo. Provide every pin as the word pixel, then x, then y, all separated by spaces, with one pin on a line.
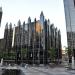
pixel 13 10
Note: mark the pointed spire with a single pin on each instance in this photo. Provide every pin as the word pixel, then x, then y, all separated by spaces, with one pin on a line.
pixel 29 19
pixel 41 13
pixel 56 28
pixel 42 18
pixel 24 25
pixel 59 31
pixel 35 19
pixel 19 22
pixel 56 32
pixel 6 26
pixel 35 24
pixel 48 22
pixel 52 25
pixel 10 26
pixel 45 21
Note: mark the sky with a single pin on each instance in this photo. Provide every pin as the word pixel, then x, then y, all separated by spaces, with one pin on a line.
pixel 13 10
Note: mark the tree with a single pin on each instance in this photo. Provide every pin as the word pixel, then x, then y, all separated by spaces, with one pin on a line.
pixel 52 54
pixel 11 55
pixel 24 53
pixel 68 51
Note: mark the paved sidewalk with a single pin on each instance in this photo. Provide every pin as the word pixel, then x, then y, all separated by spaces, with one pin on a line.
pixel 47 71
pixel 55 71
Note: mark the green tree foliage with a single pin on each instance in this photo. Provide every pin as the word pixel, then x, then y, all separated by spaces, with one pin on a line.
pixel 52 54
pixel 68 51
pixel 10 56
pixel 23 53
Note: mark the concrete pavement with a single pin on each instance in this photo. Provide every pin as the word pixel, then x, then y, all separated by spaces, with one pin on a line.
pixel 44 70
pixel 47 71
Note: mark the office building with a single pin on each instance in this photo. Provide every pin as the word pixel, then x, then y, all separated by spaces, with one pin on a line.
pixel 8 34
pixel 33 41
pixel 69 6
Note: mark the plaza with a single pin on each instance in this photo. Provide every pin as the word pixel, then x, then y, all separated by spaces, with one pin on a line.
pixel 45 70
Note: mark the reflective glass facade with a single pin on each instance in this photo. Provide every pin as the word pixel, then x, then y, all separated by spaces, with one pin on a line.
pixel 69 6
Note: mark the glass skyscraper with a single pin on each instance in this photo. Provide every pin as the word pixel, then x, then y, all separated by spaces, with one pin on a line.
pixel 33 41
pixel 69 6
